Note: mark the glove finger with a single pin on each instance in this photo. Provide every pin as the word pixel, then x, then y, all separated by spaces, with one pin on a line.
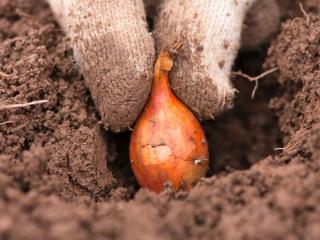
pixel 115 51
pixel 210 33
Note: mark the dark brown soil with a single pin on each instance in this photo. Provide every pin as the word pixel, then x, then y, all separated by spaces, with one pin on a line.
pixel 63 177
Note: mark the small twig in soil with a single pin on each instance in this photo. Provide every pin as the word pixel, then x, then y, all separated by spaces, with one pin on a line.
pixel 295 140
pixel 6 122
pixel 304 12
pixel 255 79
pixel 289 146
pixel 21 105
pixel 298 138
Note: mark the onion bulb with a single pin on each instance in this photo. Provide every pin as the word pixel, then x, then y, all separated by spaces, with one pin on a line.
pixel 168 145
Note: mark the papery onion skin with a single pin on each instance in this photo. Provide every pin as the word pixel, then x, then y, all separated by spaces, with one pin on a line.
pixel 168 144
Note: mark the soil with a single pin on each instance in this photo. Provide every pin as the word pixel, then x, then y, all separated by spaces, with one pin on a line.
pixel 63 177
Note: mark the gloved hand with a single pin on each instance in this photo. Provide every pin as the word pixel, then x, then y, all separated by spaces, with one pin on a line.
pixel 116 52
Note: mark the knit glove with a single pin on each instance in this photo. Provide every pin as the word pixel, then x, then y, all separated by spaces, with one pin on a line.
pixel 116 52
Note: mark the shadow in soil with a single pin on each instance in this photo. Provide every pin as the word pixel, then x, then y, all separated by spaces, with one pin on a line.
pixel 248 132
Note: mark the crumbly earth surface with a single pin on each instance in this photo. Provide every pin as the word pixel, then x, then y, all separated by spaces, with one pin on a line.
pixel 63 177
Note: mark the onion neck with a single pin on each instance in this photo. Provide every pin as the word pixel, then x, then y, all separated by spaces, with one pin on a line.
pixel 160 84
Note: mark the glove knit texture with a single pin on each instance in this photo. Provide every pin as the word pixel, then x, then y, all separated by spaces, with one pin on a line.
pixel 115 51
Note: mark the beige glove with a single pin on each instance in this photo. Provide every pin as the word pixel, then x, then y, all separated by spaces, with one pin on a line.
pixel 116 52
pixel 210 31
